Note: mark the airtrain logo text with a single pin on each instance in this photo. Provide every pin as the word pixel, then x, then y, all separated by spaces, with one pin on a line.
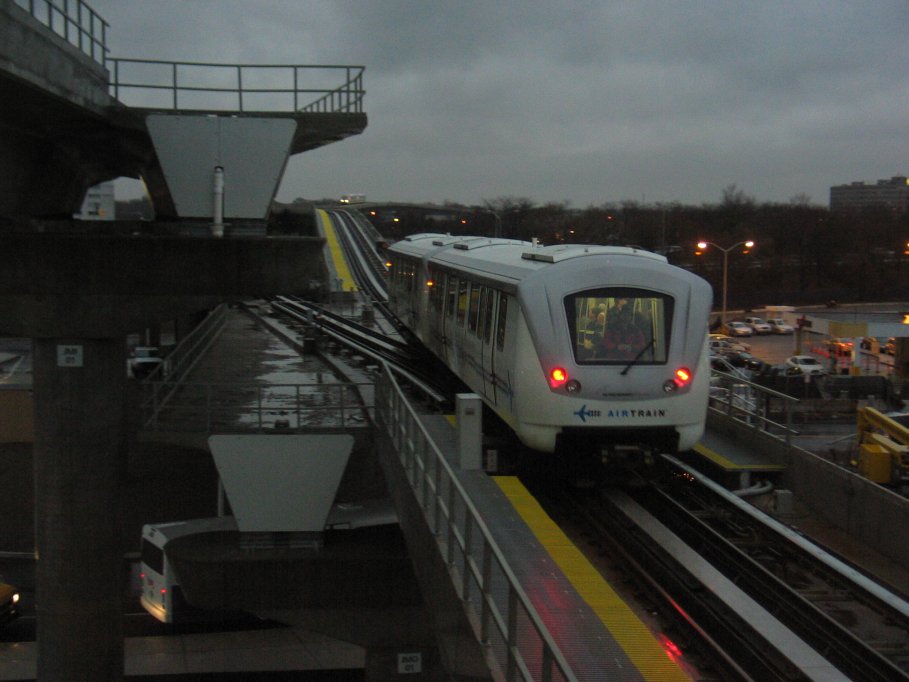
pixel 583 413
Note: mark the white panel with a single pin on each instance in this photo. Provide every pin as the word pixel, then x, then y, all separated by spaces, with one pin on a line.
pixel 281 483
pixel 253 152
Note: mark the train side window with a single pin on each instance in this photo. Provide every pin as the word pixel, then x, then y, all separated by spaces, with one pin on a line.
pixel 481 323
pixel 412 275
pixel 487 315
pixel 462 300
pixel 153 556
pixel 435 290
pixel 473 316
pixel 500 325
pixel 452 295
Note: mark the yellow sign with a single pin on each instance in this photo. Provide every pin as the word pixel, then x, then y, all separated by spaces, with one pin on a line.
pixel 847 330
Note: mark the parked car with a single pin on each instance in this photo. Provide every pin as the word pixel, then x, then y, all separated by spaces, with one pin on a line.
pixel 724 346
pixel 777 326
pixel 721 364
pixel 757 324
pixel 738 358
pixel 807 364
pixel 9 602
pixel 730 342
pixel 738 329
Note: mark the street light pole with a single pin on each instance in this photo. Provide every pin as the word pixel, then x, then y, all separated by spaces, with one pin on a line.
pixel 703 245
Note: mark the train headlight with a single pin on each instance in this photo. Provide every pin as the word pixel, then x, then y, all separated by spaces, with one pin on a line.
pixel 573 386
pixel 681 379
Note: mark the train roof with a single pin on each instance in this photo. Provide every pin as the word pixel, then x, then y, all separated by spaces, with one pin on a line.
pixel 507 258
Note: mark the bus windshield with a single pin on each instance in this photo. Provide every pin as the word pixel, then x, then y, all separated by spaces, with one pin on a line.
pixel 616 325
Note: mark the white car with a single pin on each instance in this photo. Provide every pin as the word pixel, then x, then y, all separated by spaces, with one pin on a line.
pixel 777 326
pixel 758 326
pixel 807 363
pixel 728 343
pixel 738 329
pixel 144 360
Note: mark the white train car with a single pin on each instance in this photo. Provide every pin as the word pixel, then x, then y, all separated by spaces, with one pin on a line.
pixel 578 348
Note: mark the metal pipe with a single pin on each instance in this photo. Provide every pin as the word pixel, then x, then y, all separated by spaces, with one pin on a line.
pixel 217 228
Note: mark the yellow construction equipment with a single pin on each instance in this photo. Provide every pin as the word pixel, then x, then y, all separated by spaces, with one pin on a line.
pixel 883 448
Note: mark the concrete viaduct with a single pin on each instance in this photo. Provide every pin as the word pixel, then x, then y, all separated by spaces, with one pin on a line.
pixel 78 289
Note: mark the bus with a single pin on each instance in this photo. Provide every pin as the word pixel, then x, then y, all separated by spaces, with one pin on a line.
pixel 352 198
pixel 161 594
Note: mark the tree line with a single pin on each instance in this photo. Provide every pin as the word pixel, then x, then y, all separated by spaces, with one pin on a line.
pixel 803 253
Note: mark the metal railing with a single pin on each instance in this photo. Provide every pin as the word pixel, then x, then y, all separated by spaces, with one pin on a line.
pixel 503 617
pixel 208 86
pixel 745 401
pixel 74 21
pixel 161 383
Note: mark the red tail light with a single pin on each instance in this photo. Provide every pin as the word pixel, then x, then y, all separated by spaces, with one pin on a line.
pixel 558 376
pixel 682 376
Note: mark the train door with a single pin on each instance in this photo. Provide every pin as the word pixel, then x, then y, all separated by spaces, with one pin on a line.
pixel 488 337
pixel 448 321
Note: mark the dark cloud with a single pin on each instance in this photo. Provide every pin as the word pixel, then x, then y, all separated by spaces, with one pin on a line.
pixel 583 101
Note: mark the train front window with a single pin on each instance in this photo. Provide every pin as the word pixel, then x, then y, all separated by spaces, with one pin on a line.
pixel 618 325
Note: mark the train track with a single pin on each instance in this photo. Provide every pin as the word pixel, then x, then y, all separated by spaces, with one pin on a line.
pixel 754 598
pixel 409 361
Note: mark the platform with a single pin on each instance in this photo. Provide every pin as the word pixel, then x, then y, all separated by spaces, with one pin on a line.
pixel 733 458
pixel 599 635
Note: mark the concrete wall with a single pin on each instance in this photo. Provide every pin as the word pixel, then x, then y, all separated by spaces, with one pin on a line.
pixel 872 514
pixel 17 415
pixel 32 52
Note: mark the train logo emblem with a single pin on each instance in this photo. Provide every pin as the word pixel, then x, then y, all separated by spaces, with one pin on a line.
pixel 583 413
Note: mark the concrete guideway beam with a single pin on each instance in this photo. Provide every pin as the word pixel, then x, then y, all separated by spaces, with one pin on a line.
pixel 100 286
pixel 251 153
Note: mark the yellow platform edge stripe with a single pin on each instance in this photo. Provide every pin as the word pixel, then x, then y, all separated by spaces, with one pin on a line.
pixel 337 254
pixel 729 465
pixel 636 639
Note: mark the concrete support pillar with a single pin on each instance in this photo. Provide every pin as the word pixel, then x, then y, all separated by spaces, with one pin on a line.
pixel 79 453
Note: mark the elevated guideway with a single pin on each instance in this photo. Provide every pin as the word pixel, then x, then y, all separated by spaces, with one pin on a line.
pixel 74 116
pixel 490 558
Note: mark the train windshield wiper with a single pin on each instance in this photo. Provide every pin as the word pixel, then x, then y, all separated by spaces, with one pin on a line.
pixel 638 356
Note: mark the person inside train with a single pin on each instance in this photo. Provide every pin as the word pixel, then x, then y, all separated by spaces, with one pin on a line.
pixel 622 339
pixel 593 334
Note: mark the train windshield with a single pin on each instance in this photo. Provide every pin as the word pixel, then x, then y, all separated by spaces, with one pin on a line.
pixel 620 325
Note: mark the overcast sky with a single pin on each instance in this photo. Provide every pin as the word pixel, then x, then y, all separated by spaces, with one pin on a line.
pixel 578 102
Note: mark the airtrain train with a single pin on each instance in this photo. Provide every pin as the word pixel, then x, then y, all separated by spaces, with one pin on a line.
pixel 578 348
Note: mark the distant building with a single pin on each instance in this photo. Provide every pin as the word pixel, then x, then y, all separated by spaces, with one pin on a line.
pixel 99 203
pixel 892 193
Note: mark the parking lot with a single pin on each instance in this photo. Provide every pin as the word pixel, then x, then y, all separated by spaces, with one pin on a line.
pixel 775 348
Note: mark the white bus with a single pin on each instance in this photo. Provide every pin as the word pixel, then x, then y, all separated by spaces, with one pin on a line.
pixel 353 198
pixel 162 596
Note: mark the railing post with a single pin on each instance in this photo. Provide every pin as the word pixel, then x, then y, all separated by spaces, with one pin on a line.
pixel 174 82
pixel 299 421
pixel 451 523
pixel 487 580
pixel 465 565
pixel 511 638
pixel 208 408
pixel 240 86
